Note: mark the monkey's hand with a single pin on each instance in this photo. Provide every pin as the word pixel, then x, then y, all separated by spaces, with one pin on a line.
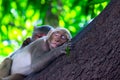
pixel 26 42
pixel 65 48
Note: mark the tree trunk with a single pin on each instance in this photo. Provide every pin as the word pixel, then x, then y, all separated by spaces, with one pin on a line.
pixel 95 54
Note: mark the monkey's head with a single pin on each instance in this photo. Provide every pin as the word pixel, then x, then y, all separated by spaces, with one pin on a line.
pixel 58 37
pixel 40 31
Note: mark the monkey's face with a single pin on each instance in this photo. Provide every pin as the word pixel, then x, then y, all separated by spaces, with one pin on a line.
pixel 57 39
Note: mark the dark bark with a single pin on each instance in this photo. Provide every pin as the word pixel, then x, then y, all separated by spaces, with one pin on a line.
pixel 96 51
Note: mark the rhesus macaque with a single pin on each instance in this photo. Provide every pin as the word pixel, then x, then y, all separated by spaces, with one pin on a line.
pixel 38 54
pixel 38 32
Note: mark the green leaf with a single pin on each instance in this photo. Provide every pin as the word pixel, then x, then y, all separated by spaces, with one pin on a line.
pixel 67 51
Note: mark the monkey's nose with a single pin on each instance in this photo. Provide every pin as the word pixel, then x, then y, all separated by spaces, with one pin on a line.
pixel 57 40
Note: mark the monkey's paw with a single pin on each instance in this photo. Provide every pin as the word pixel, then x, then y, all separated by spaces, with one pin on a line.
pixel 66 48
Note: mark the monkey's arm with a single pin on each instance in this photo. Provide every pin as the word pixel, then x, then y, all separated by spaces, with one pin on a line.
pixel 44 60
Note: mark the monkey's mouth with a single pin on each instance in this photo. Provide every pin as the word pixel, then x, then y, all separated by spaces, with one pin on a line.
pixel 55 44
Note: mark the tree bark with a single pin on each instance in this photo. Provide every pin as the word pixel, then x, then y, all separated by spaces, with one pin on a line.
pixel 95 54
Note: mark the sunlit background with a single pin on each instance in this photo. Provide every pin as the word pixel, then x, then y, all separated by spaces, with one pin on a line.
pixel 19 16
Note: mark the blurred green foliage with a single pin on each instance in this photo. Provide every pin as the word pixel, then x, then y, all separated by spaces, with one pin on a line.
pixel 19 16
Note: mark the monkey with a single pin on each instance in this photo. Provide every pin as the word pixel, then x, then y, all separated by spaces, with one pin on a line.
pixel 38 54
pixel 38 32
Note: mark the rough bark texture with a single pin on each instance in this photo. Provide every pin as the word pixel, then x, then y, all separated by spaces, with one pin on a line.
pixel 96 51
